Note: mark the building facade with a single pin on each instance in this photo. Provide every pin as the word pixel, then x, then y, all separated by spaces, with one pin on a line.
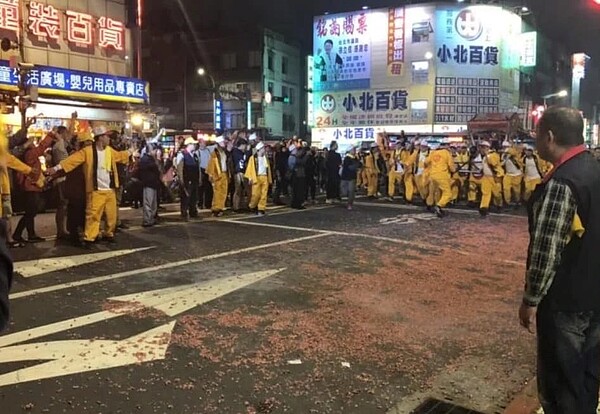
pixel 237 72
pixel 78 57
pixel 426 68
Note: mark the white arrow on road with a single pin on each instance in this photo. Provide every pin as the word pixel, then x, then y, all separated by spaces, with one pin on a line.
pixel 73 357
pixel 38 267
pixel 172 301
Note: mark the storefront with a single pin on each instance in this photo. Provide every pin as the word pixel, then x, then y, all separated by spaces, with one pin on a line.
pixel 79 59
pixel 423 69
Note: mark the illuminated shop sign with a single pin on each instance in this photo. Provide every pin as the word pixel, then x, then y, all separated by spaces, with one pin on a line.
pixel 78 84
pixel 81 29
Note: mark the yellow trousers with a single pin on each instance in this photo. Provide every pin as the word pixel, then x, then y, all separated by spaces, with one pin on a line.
pixel 372 183
pixel 394 178
pixel 220 191
pixel 530 187
pixel 98 203
pixel 512 187
pixel 422 182
pixel 260 189
pixel 439 184
pixel 474 186
pixel 458 183
pixel 409 187
pixel 490 187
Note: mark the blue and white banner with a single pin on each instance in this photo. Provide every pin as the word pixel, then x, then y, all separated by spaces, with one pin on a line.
pixel 78 84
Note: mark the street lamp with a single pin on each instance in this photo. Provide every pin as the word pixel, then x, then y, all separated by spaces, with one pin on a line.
pixel 560 94
pixel 428 55
pixel 202 72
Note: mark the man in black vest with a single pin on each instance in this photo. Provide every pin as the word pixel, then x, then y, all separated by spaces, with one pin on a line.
pixel 562 287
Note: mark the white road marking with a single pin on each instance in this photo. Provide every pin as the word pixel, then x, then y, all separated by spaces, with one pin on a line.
pixel 137 272
pixel 74 357
pixel 179 299
pixel 341 233
pixel 172 301
pixel 449 210
pixel 38 267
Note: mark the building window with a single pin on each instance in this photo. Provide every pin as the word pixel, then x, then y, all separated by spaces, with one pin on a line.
pixel 420 72
pixel 421 31
pixel 284 122
pixel 418 111
pixel 284 91
pixel 229 61
pixel 284 65
pixel 271 61
pixel 291 95
pixel 254 59
pixel 270 88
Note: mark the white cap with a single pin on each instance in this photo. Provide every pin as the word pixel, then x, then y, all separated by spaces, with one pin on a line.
pixel 252 137
pixel 220 139
pixel 485 144
pixel 506 144
pixel 190 141
pixel 424 144
pixel 260 146
pixel 100 130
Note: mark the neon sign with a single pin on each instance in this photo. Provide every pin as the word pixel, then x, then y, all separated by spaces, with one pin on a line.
pixel 79 28
pixel 111 33
pixel 9 15
pixel 44 21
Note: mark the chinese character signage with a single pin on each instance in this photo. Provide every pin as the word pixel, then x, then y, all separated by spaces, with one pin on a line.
pixel 396 41
pixel 342 51
pixel 71 83
pixel 458 100
pixel 9 15
pixel 528 43
pixel 476 62
pixel 362 107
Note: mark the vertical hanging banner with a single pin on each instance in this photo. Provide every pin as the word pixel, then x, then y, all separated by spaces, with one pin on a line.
pixel 396 41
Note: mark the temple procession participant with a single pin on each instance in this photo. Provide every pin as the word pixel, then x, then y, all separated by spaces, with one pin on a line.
pixel 260 177
pixel 218 174
pixel 101 179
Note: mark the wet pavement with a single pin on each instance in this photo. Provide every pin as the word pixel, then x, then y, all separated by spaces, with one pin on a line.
pixel 314 311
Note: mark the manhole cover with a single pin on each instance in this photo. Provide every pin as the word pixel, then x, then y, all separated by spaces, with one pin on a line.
pixel 433 406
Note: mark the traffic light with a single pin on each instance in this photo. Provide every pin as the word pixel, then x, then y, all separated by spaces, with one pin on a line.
pixel 282 99
pixel 286 99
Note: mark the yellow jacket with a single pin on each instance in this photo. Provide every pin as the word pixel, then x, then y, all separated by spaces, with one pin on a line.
pixel 214 169
pixel 440 163
pixel 408 159
pixel 495 163
pixel 514 155
pixel 371 163
pixel 16 164
pixel 419 162
pixel 89 158
pixel 252 169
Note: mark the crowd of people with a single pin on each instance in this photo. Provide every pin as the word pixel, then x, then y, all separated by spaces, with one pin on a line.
pixel 93 172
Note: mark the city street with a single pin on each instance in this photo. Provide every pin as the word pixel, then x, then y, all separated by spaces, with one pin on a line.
pixel 314 311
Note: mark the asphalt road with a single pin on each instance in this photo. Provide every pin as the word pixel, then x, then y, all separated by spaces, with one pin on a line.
pixel 314 311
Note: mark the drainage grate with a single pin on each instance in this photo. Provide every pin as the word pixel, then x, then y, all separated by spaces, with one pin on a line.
pixel 433 406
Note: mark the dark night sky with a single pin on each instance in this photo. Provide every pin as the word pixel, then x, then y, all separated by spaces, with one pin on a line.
pixel 575 22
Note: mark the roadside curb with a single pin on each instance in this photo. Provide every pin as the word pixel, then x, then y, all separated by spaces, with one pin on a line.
pixel 526 402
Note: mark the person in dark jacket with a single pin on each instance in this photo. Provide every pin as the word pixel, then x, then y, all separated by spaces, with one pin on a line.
pixel 332 165
pixel 149 174
pixel 311 176
pixel 297 164
pixel 281 176
pixel 6 276
pixel 75 194
pixel 239 157
pixel 350 168
pixel 33 192
pixel 562 280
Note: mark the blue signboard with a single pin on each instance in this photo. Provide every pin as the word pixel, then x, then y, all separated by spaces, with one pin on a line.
pixel 218 114
pixel 78 84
